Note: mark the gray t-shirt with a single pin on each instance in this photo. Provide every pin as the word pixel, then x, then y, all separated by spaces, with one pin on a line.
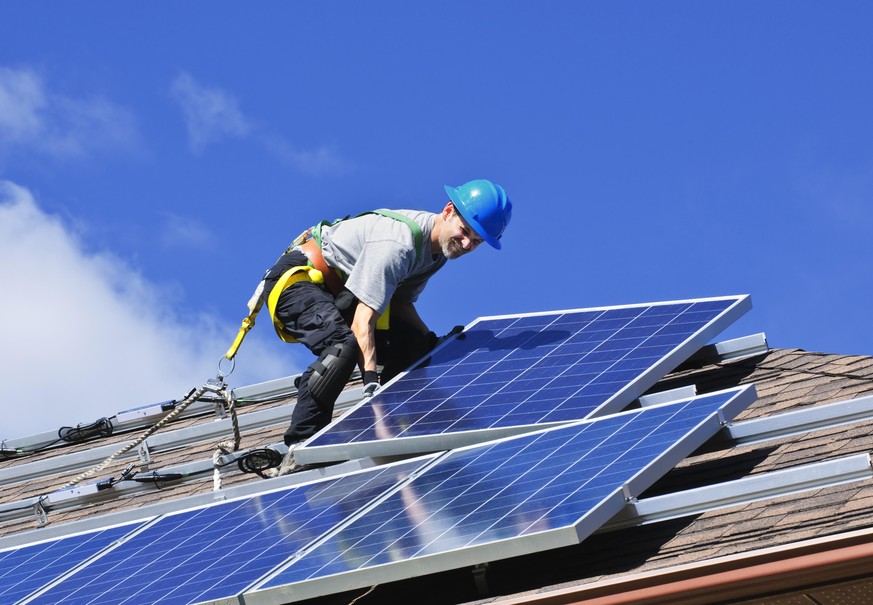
pixel 377 253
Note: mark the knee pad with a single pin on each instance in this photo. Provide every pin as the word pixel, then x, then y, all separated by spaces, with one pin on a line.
pixel 331 371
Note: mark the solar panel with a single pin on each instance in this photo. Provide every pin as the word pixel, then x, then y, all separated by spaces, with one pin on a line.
pixel 520 495
pixel 215 552
pixel 26 569
pixel 513 374
pixel 537 491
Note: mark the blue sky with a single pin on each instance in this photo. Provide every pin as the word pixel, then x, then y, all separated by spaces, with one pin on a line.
pixel 156 158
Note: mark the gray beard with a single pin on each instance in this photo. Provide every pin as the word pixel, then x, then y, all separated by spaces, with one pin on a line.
pixel 451 249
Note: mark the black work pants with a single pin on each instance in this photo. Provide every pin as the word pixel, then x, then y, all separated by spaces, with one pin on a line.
pixel 309 314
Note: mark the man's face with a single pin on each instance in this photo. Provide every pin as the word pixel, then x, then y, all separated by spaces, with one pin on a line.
pixel 457 238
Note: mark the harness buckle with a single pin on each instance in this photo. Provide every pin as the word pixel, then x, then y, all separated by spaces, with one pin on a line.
pixel 298 241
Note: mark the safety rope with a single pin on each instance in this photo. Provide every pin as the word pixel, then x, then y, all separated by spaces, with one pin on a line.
pixel 217 386
pixel 222 448
pixel 231 408
pixel 154 429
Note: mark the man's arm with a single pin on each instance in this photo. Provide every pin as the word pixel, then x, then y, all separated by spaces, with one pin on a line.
pixel 364 329
pixel 406 311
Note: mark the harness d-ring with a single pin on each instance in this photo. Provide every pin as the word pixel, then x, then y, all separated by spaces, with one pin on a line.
pixel 222 373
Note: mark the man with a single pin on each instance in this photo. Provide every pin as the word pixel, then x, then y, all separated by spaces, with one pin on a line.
pixel 368 264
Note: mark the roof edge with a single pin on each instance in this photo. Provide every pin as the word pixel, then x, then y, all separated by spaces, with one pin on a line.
pixel 770 570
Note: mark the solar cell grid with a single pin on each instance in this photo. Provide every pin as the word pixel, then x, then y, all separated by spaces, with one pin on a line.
pixel 26 569
pixel 217 551
pixel 528 370
pixel 567 480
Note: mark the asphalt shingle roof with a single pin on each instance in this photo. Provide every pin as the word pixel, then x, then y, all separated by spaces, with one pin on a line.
pixel 785 379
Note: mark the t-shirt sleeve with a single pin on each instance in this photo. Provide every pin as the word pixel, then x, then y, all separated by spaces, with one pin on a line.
pixel 380 268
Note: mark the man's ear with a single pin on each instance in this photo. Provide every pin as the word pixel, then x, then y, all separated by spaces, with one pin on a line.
pixel 448 210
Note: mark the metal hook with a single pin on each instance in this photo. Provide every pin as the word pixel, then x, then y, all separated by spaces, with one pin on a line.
pixel 222 374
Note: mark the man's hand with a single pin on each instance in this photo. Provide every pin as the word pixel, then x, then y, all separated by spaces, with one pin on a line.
pixel 442 339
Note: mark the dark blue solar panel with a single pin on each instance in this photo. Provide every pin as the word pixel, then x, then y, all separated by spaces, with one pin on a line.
pixel 217 551
pixel 26 569
pixel 544 482
pixel 532 370
pixel 570 477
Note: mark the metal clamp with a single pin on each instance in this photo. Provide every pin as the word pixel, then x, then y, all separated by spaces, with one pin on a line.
pixel 41 514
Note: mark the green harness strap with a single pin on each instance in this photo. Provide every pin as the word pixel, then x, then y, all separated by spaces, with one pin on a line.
pixel 417 233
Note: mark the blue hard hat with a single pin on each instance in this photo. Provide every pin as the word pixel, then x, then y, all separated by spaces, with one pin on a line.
pixel 485 206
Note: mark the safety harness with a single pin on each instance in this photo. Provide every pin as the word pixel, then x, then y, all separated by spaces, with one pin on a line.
pixel 317 272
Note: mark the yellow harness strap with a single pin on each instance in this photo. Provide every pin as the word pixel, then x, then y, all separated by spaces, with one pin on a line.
pixel 383 322
pixel 248 323
pixel 288 279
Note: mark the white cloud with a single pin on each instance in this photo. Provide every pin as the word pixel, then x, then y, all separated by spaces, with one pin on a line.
pixel 34 118
pixel 21 101
pixel 210 113
pixel 185 232
pixel 87 336
pixel 323 160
